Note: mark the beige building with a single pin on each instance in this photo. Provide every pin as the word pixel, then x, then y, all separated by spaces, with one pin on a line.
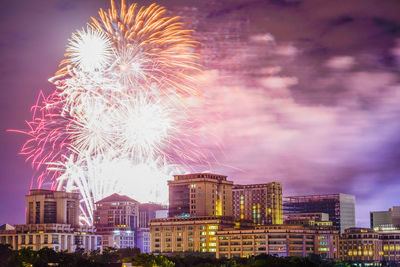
pixel 194 234
pixel 52 222
pixel 360 245
pixel 200 194
pixel 47 206
pixel 260 203
pixel 280 240
pixel 56 236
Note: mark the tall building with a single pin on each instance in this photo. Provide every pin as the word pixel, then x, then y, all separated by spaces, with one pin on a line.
pixel 340 207
pixel 116 219
pixel 260 203
pixel 200 194
pixel 46 206
pixel 388 219
pixel 52 222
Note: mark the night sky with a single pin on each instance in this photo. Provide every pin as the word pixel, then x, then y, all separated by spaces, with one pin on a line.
pixel 304 92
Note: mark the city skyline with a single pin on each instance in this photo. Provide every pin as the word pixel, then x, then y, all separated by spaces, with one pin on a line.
pixel 310 101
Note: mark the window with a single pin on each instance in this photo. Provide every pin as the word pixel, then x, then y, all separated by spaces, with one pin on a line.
pixel 46 239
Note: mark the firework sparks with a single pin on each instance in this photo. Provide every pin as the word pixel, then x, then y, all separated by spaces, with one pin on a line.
pixel 117 114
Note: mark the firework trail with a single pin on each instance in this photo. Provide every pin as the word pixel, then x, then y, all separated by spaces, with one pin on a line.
pixel 115 120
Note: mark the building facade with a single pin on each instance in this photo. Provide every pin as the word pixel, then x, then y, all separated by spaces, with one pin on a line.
pixel 191 234
pixel 116 219
pixel 148 211
pixel 200 194
pixel 260 203
pixel 47 206
pixel 388 219
pixel 364 245
pixel 340 207
pixel 280 240
pixel 52 222
pixel 360 245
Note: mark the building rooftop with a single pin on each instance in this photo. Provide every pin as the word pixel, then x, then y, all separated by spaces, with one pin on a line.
pixel 242 186
pixel 116 198
pixel 6 226
pixel 200 175
pixel 318 197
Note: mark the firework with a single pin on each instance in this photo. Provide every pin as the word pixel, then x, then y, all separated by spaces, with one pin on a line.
pixel 115 121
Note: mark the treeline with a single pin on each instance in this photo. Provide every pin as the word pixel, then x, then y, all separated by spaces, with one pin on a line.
pixel 112 257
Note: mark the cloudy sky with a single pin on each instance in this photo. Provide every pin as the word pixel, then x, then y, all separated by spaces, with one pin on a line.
pixel 303 92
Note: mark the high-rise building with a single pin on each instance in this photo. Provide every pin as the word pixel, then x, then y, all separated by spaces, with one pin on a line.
pixel 52 222
pixel 47 206
pixel 116 219
pixel 386 219
pixel 260 203
pixel 200 194
pixel 340 207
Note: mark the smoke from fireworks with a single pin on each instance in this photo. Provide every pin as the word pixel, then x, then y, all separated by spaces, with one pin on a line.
pixel 114 122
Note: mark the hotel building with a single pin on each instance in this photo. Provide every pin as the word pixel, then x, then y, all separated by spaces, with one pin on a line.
pixel 281 240
pixel 193 234
pixel 340 207
pixel 200 194
pixel 52 221
pixel 116 219
pixel 260 203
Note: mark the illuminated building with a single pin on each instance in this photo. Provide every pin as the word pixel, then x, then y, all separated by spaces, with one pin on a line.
pixel 194 234
pixel 340 207
pixel 360 245
pixel 200 194
pixel 52 222
pixel 260 203
pixel 390 218
pixel 116 219
pixel 280 240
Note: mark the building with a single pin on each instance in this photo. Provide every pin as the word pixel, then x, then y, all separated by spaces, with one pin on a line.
pixel 360 245
pixel 340 207
pixel 47 206
pixel 148 211
pixel 280 240
pixel 116 219
pixel 388 219
pixel 191 234
pixel 311 219
pixel 364 245
pixel 260 203
pixel 200 194
pixel 52 222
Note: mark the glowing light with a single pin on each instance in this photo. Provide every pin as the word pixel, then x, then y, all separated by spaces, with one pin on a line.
pixel 90 50
pixel 114 122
